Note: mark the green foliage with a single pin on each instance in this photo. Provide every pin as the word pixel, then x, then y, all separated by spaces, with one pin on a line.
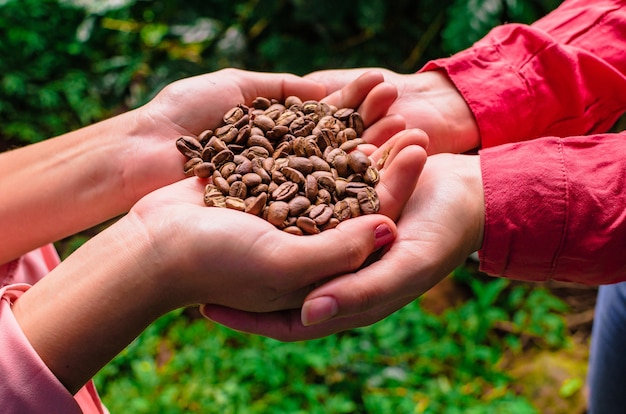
pixel 68 63
pixel 411 362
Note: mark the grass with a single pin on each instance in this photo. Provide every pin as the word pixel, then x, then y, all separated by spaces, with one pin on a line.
pixel 414 361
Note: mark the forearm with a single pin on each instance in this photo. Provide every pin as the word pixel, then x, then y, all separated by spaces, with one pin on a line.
pixel 63 185
pixel 93 304
pixel 564 75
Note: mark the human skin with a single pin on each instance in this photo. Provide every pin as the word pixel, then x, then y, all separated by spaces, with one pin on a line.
pixel 426 100
pixel 100 171
pixel 441 224
pixel 439 227
pixel 169 250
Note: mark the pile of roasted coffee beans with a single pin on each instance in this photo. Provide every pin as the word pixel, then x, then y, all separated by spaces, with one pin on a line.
pixel 293 163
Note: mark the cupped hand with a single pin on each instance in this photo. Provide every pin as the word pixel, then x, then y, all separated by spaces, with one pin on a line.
pixel 440 226
pixel 192 105
pixel 226 257
pixel 428 101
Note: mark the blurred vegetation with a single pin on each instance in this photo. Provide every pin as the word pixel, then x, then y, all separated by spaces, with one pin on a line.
pixel 68 63
pixel 411 362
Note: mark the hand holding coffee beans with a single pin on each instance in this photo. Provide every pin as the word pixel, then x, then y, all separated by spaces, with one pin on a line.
pixel 293 163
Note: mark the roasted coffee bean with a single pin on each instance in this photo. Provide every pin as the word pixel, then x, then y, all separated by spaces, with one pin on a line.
pixel 204 169
pixel 311 189
pixel 277 213
pixel 257 206
pixel 257 190
pixel 264 122
pixel 293 175
pixel 214 199
pixel 353 188
pixel 227 133
pixel 302 164
pixel 307 225
pixel 233 177
pixel 302 127
pixel 238 189
pixel 261 141
pixel 342 210
pixel 358 161
pixel 330 224
pixel 205 136
pixel 190 147
pixel 222 184
pixel 234 203
pixel 321 214
pixel 233 115
pixel 228 169
pixel 189 166
pixel 298 205
pixel 319 164
pixel 251 179
pixel 285 192
pixel 261 103
pixel 368 201
pixel 222 158
pixel 324 196
pixel 356 122
pixel 243 166
pixel 293 163
pixel 292 100
pixel 371 176
pixel 295 230
pixel 350 145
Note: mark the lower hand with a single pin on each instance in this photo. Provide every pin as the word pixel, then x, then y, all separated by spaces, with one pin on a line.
pixel 440 226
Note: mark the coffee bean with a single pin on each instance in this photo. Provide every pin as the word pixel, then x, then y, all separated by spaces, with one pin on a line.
pixel 277 213
pixel 293 163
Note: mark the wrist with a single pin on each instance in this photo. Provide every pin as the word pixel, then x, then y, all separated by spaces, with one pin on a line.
pixel 92 305
pixel 459 132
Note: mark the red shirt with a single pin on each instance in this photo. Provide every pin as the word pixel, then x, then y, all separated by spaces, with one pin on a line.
pixel 544 97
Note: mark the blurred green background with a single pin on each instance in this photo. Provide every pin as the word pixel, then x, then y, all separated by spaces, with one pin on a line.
pixel 68 63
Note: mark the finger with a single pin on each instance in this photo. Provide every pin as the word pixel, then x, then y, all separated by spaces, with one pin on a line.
pixel 398 181
pixel 336 79
pixel 383 129
pixel 377 102
pixel 277 86
pixel 393 279
pixel 386 145
pixel 334 251
pixel 351 95
pixel 287 325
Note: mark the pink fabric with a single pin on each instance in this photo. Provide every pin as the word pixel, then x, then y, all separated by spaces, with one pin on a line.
pixel 27 384
pixel 554 206
pixel 563 75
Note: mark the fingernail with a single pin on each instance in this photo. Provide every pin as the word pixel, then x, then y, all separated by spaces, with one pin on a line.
pixel 383 235
pixel 318 310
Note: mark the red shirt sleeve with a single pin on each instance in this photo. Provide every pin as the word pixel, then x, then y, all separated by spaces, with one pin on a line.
pixel 563 75
pixel 556 209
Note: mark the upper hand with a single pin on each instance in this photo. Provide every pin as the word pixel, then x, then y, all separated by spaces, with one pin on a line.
pixel 428 101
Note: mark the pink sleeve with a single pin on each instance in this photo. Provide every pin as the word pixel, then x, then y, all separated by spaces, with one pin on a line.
pixel 563 75
pixel 555 209
pixel 27 386
pixel 26 383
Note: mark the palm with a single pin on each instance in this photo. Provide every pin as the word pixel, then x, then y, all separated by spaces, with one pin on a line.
pixel 422 105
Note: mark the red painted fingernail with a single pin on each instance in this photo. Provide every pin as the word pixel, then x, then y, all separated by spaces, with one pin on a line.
pixel 383 235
